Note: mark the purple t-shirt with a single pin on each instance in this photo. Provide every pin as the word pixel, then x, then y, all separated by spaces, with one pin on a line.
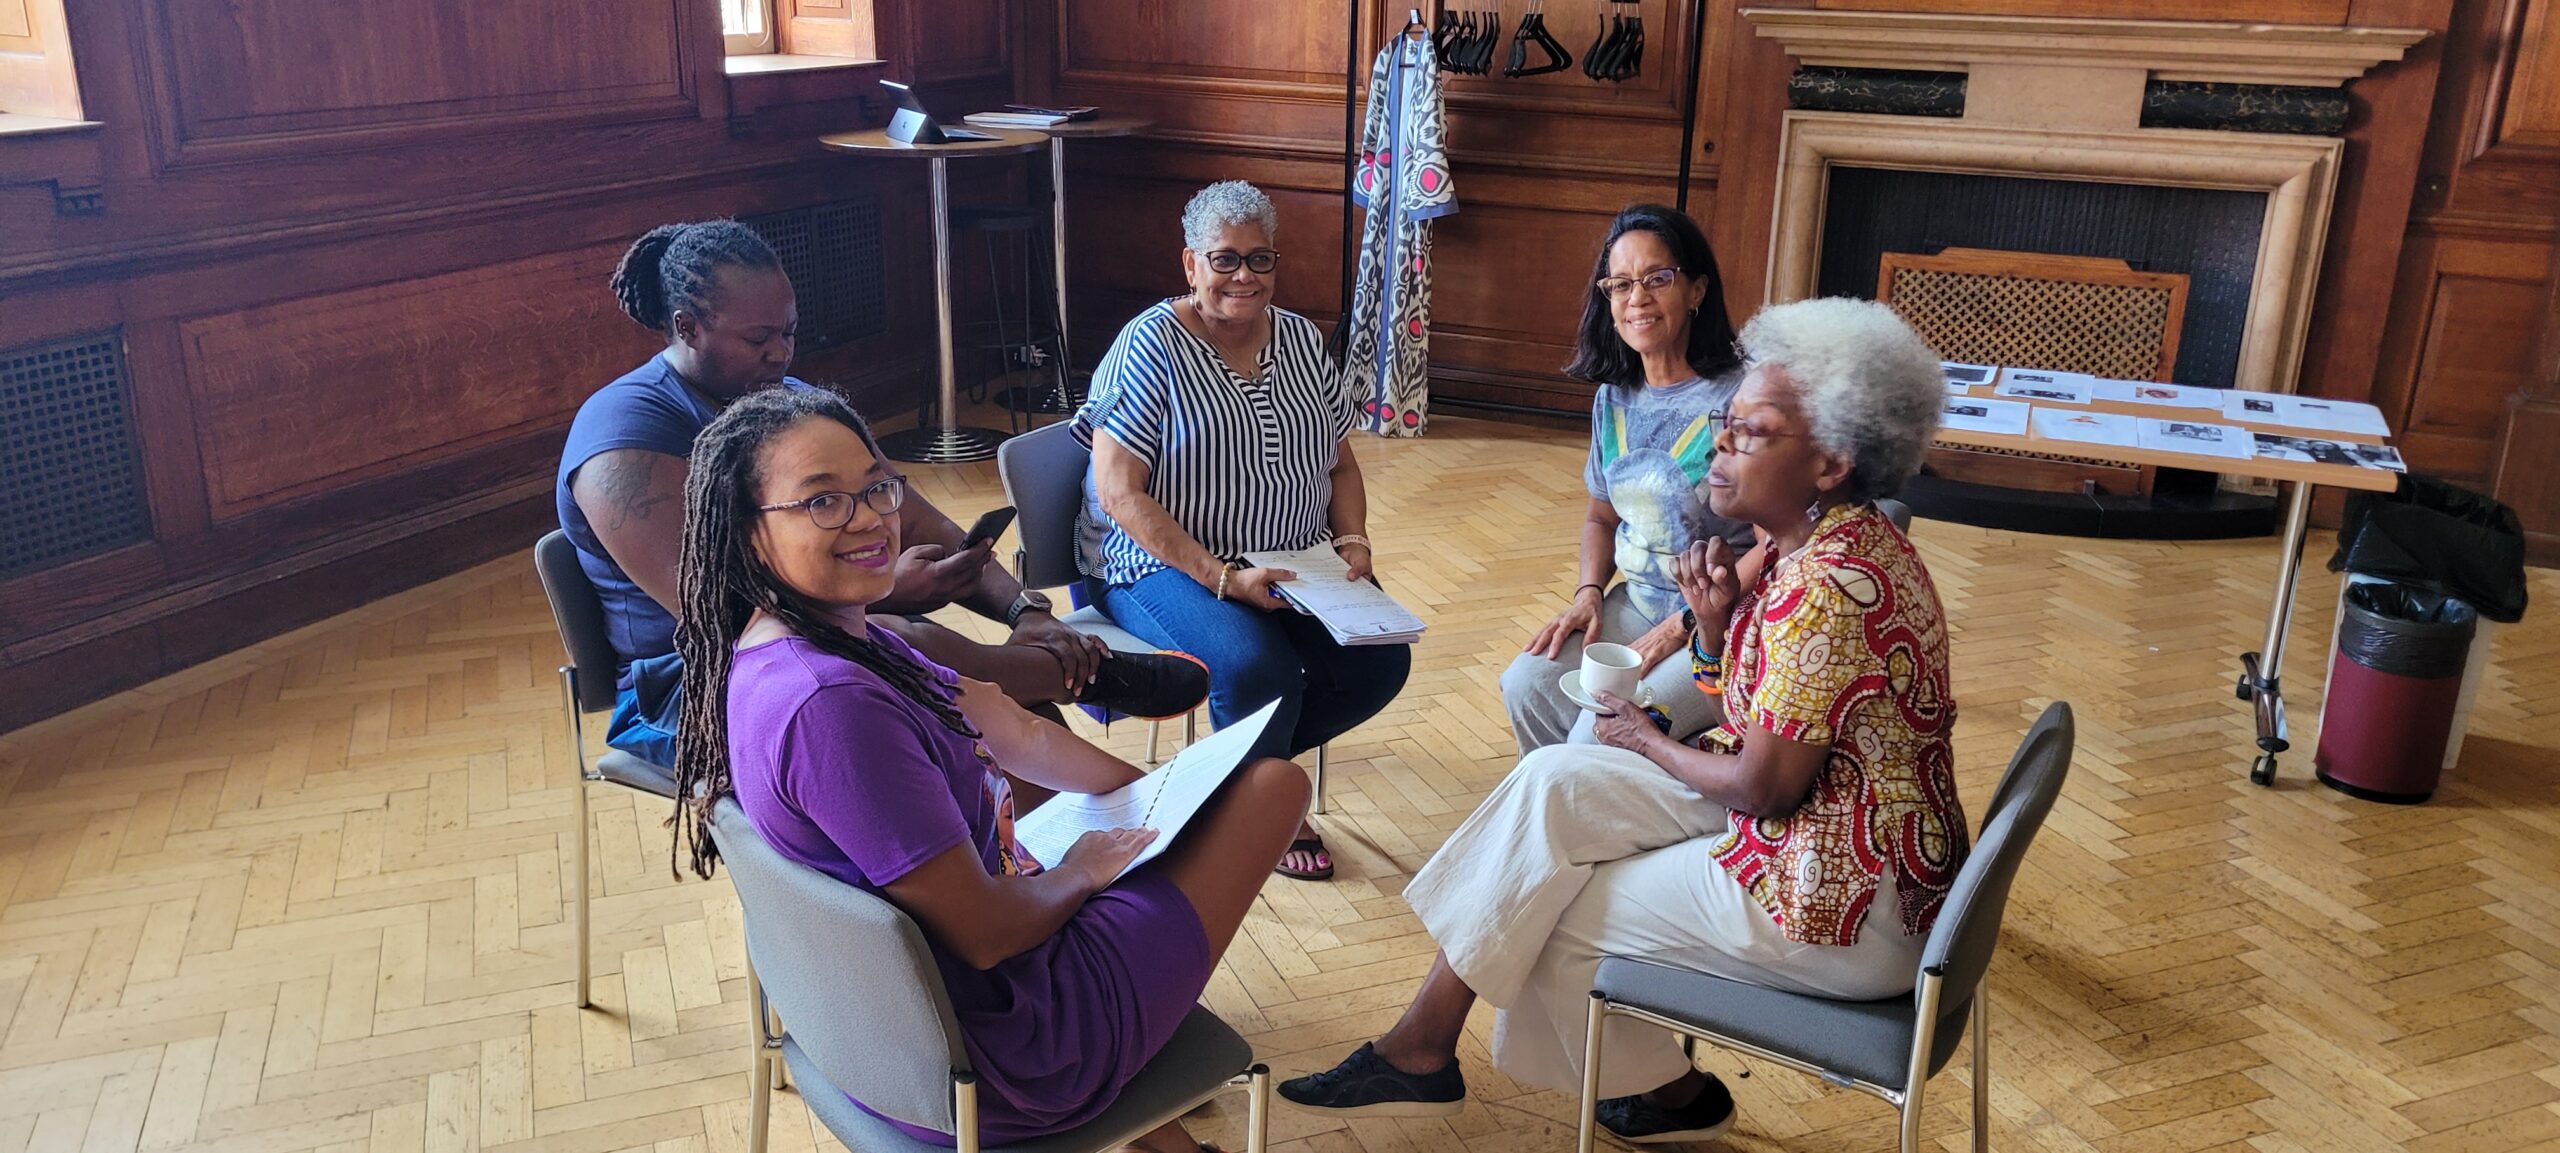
pixel 841 772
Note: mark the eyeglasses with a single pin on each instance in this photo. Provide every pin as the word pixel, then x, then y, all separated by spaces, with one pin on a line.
pixel 834 510
pixel 1261 260
pixel 1741 438
pixel 1618 287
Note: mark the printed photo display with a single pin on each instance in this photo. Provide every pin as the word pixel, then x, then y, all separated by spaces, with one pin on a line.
pixel 2318 451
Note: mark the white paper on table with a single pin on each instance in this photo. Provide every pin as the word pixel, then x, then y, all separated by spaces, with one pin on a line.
pixel 1350 609
pixel 2319 450
pixel 2242 406
pixel 2326 415
pixel 2153 392
pixel 1164 800
pixel 1979 414
pixel 2104 428
pixel 2194 436
pixel 1960 376
pixel 2043 385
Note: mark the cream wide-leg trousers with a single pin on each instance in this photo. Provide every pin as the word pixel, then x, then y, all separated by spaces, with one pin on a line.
pixel 1588 851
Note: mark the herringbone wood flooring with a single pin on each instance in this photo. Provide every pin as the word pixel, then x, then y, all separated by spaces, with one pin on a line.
pixel 310 896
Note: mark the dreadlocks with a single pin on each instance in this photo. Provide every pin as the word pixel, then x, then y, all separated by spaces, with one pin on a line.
pixel 721 585
pixel 676 266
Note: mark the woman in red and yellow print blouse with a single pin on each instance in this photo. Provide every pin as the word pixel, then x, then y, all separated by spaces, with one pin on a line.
pixel 1805 844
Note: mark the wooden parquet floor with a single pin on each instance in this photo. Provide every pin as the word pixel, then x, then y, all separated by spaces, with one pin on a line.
pixel 310 896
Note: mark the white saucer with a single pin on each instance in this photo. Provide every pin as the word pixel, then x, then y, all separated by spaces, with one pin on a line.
pixel 1571 683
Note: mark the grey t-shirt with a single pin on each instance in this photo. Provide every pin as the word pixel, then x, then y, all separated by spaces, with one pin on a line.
pixel 1649 453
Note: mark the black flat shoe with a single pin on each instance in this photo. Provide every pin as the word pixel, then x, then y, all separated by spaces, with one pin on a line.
pixel 1639 1121
pixel 1365 1085
pixel 1148 686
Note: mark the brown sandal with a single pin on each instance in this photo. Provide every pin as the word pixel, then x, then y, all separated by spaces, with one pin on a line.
pixel 1312 846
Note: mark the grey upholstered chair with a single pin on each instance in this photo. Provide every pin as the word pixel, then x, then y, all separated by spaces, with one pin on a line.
pixel 1888 1048
pixel 1043 472
pixel 869 1017
pixel 1897 512
pixel 586 686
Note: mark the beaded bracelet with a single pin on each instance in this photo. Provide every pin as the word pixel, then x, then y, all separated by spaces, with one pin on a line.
pixel 1224 572
pixel 1353 538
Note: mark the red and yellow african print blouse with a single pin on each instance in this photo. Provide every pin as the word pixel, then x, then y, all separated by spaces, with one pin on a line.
pixel 1847 647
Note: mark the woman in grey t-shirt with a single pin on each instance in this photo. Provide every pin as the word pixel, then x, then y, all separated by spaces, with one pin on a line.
pixel 1656 341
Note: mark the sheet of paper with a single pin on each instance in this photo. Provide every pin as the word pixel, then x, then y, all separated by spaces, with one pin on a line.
pixel 2242 406
pixel 2168 395
pixel 2229 440
pixel 2318 450
pixel 1961 376
pixel 1353 611
pixel 1164 800
pixel 1977 414
pixel 2042 385
pixel 2086 427
pixel 2331 415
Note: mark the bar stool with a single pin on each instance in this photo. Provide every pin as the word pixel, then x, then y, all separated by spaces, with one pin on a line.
pixel 1013 243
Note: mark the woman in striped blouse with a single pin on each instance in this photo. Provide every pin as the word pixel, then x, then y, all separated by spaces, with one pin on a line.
pixel 1217 424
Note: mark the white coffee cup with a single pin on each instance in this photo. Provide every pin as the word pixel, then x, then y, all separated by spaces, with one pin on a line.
pixel 1608 668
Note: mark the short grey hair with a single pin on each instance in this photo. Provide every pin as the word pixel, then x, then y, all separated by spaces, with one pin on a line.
pixel 1869 387
pixel 1222 205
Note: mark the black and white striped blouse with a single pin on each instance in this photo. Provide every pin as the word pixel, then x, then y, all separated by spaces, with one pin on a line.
pixel 1241 465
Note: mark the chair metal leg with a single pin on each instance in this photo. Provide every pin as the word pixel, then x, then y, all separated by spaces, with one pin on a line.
pixel 1190 727
pixel 1916 1075
pixel 964 1112
pixel 1321 750
pixel 1257 1109
pixel 578 839
pixel 1585 1129
pixel 1982 1067
pixel 764 1067
pixel 1153 728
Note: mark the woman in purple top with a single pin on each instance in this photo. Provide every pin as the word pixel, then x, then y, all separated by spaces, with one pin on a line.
pixel 855 756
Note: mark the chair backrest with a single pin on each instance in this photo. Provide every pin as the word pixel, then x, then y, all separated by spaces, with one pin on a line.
pixel 1897 512
pixel 1043 472
pixel 851 977
pixel 580 615
pixel 1968 927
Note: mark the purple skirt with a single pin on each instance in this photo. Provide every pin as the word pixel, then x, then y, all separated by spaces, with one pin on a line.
pixel 1057 1032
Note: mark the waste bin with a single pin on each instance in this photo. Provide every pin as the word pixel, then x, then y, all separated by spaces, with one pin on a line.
pixel 2395 684
pixel 2431 566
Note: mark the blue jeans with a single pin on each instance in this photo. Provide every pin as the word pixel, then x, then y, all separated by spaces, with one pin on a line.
pixel 1324 689
pixel 644 713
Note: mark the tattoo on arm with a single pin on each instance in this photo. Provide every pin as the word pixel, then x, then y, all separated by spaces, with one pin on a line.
pixel 624 484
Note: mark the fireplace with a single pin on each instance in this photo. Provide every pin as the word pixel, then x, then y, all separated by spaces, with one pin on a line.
pixel 2201 150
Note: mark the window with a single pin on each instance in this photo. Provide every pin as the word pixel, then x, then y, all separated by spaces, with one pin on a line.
pixel 747 25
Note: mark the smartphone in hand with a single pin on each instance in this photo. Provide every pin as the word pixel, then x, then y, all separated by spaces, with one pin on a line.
pixel 989 527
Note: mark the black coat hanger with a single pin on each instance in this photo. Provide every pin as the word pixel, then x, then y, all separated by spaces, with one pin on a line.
pixel 1533 30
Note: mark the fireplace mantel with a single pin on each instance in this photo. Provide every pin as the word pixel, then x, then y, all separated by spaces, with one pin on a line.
pixel 2176 50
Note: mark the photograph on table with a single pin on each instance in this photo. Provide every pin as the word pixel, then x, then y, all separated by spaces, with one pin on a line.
pixel 2315 450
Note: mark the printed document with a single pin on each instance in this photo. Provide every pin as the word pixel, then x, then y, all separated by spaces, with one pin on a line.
pixel 1164 800
pixel 1355 612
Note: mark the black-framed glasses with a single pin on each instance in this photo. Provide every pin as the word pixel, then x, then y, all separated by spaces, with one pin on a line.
pixel 1618 287
pixel 1741 437
pixel 834 510
pixel 1261 260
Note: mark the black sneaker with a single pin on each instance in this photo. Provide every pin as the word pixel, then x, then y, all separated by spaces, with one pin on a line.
pixel 1639 1121
pixel 1148 686
pixel 1364 1085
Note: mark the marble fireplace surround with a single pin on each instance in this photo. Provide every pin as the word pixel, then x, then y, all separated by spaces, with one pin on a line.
pixel 2061 98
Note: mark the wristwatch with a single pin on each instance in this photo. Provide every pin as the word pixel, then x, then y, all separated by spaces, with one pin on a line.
pixel 1027 601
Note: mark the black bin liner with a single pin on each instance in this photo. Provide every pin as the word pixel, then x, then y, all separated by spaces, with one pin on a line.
pixel 2406 632
pixel 2437 538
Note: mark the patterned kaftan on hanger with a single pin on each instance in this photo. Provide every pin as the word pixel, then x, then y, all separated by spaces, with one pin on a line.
pixel 1403 181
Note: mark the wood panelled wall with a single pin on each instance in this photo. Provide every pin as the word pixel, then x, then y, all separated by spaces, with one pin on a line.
pixel 2435 277
pixel 357 255
pixel 2476 301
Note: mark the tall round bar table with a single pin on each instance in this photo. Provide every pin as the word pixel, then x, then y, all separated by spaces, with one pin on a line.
pixel 1064 396
pixel 947 441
